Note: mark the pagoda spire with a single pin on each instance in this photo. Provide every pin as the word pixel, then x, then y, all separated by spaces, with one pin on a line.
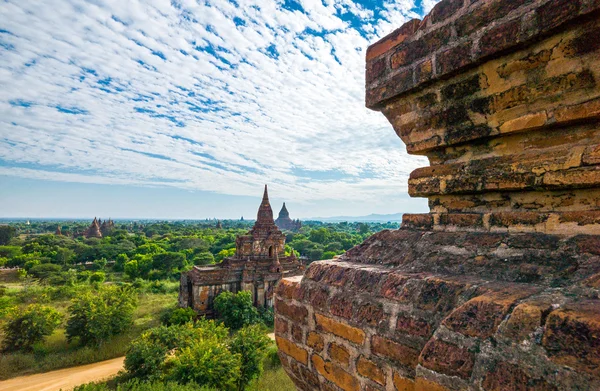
pixel 265 213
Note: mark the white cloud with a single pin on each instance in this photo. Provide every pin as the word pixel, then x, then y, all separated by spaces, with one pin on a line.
pixel 208 95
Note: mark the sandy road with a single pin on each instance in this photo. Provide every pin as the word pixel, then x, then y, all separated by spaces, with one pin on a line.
pixel 65 379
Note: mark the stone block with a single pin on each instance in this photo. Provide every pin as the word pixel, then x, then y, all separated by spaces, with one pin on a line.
pixel 370 370
pixel 315 341
pixel 572 336
pixel 402 383
pixel 447 358
pixel 387 348
pixel 508 377
pixel 335 374
pixel 338 354
pixel 291 349
pixel 342 330
pixel 296 313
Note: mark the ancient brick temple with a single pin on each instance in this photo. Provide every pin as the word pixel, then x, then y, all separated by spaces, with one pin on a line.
pixel 285 222
pixel 258 265
pixel 497 288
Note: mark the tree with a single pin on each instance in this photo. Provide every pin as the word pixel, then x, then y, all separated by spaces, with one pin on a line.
pixel 168 262
pixel 178 316
pixel 204 258
pixel 100 264
pixel 329 254
pixel 120 262
pixel 97 278
pixel 132 269
pixel 97 316
pixel 250 343
pixel 7 232
pixel 26 327
pixel 236 309
pixel 44 271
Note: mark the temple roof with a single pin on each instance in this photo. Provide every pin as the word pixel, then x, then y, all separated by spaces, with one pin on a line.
pixel 265 213
pixel 283 213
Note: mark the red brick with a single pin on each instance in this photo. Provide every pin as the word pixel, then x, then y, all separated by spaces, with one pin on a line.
pixel 293 312
pixel 508 377
pixel 447 358
pixel 412 326
pixel 393 350
pixel 371 370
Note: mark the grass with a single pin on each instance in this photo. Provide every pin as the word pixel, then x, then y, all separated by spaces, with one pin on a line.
pixel 273 379
pixel 56 352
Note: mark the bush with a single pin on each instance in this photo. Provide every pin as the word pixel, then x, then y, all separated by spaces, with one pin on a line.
pixel 26 327
pixel 44 271
pixel 147 355
pixel 177 316
pixel 250 343
pixel 206 362
pixel 236 309
pixel 96 316
pixel 97 278
pixel 136 385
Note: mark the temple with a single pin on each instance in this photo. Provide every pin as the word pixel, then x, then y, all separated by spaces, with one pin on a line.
pixel 94 230
pixel 258 265
pixel 497 288
pixel 284 222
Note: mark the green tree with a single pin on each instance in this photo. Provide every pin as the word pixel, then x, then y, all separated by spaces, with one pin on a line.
pixel 132 269
pixel 24 328
pixel 96 316
pixel 44 271
pixel 168 262
pixel 7 232
pixel 204 258
pixel 236 309
pixel 178 316
pixel 329 254
pixel 97 278
pixel 251 343
pixel 120 262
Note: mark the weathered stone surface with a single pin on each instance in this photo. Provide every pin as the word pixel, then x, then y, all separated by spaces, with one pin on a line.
pixel 497 287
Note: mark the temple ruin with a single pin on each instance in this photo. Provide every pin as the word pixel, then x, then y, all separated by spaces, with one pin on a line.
pixel 285 222
pixel 498 287
pixel 258 265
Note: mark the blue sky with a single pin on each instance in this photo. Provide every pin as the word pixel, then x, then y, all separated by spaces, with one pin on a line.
pixel 184 109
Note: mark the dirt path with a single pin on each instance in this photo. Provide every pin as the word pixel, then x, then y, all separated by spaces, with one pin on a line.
pixel 66 379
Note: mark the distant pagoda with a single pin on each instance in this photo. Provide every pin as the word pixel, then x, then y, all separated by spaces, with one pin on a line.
pixel 94 230
pixel 285 222
pixel 58 231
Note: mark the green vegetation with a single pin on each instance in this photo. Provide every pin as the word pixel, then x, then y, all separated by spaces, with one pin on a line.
pixel 25 328
pixel 75 301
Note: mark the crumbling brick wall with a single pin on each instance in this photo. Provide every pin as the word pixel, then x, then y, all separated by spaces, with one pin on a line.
pixel 497 288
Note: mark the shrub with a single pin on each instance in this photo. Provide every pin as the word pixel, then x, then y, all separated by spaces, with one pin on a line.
pixel 206 362
pixel 26 327
pixel 272 357
pixel 97 278
pixel 96 316
pixel 136 385
pixel 236 309
pixel 250 343
pixel 147 355
pixel 177 316
pixel 44 270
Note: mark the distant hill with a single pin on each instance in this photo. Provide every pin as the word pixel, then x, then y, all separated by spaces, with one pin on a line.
pixel 369 218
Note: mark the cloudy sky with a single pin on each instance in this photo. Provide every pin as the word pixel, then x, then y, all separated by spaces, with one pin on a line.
pixel 185 108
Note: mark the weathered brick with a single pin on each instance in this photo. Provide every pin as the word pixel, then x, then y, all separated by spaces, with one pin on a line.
pixel 412 326
pixel 335 374
pixel 288 288
pixel 339 354
pixel 281 325
pixel 422 384
pixel 417 221
pixel 445 9
pixel 315 341
pixel 508 377
pixel 500 37
pixel 393 39
pixel 370 314
pixel 393 350
pixel 556 12
pixel 524 320
pixel 341 305
pixel 291 349
pixel 342 330
pixel 447 358
pixel 485 14
pixel 371 370
pixel 481 316
pixel 572 336
pixel 582 111
pixel 294 312
pixel 297 334
pixel 402 383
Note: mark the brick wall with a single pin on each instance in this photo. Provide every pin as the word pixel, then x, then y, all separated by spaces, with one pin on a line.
pixel 498 287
